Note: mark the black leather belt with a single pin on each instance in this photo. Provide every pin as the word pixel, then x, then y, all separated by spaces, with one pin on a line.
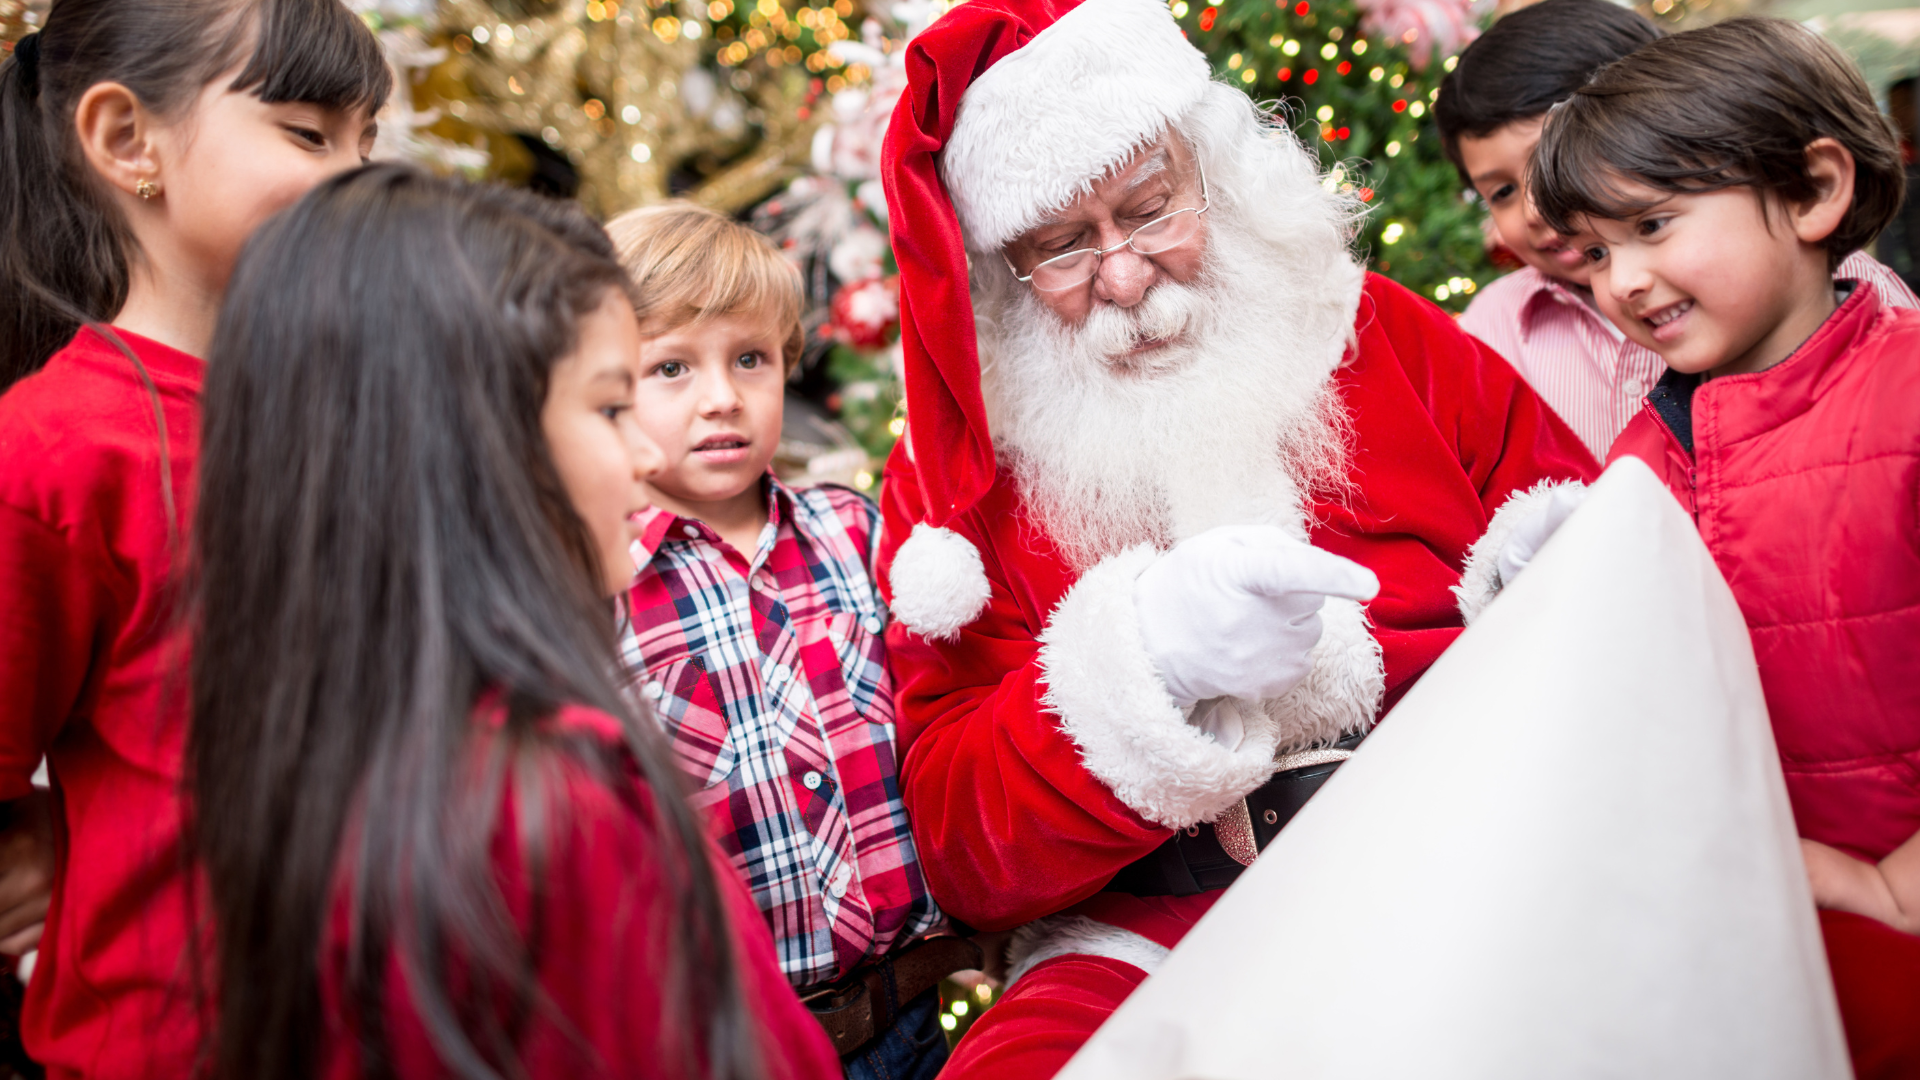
pixel 1211 856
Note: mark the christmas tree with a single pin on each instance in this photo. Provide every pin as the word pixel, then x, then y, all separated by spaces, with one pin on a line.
pixel 1356 80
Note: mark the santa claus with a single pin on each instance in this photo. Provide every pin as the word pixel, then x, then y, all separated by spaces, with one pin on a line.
pixel 1187 498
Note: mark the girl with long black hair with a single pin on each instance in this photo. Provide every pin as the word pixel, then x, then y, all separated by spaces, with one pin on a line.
pixel 437 840
pixel 141 141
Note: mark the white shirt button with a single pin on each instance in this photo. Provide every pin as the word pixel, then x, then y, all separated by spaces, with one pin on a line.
pixel 840 881
pixel 692 532
pixel 872 623
pixel 811 780
pixel 654 690
pixel 781 673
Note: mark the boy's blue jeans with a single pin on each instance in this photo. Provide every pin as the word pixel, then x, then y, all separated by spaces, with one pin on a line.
pixel 914 1048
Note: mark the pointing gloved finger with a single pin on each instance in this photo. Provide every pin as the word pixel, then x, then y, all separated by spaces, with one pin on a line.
pixel 1305 570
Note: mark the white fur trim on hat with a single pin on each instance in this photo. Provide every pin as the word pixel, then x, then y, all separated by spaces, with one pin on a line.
pixel 1114 705
pixel 1050 118
pixel 939 583
pixel 1341 693
pixel 1480 581
pixel 1076 935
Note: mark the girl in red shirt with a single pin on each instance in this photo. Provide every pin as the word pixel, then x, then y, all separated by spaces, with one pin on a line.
pixel 140 143
pixel 438 841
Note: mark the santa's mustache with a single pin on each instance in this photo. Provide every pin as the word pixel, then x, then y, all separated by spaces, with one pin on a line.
pixel 1169 312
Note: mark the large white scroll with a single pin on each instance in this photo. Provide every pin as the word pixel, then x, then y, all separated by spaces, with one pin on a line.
pixel 1567 854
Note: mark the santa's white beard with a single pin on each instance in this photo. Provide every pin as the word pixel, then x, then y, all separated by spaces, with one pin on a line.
pixel 1236 422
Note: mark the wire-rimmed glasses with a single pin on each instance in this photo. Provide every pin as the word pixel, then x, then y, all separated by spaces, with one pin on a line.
pixel 1078 267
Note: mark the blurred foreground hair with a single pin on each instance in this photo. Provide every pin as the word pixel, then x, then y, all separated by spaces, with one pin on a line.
pixel 382 542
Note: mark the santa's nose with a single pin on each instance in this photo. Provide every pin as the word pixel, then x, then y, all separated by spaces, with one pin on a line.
pixel 1124 277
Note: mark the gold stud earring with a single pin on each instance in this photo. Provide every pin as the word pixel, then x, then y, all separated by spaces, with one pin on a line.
pixel 146 189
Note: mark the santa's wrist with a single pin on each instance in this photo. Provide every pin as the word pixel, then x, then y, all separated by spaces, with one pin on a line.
pixel 1098 678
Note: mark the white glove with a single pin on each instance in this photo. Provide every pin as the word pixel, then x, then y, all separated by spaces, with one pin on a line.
pixel 1235 611
pixel 1533 531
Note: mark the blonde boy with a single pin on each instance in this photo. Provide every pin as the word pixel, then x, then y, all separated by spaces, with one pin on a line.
pixel 755 632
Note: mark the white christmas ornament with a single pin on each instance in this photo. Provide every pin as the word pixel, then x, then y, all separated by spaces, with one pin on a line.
pixel 1567 853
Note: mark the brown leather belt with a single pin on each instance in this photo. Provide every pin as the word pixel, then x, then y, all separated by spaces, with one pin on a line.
pixel 867 1001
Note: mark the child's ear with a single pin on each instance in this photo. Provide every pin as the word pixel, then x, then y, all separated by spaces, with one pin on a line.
pixel 117 135
pixel 1830 167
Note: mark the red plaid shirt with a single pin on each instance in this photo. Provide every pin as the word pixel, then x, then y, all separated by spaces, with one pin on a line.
pixel 770 675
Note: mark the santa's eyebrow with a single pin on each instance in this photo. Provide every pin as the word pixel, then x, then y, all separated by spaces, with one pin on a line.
pixel 1154 166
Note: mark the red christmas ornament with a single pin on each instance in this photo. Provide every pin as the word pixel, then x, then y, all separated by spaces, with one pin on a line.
pixel 1285 74
pixel 1300 8
pixel 863 314
pixel 1312 76
pixel 1344 67
pixel 1207 17
pixel 1400 106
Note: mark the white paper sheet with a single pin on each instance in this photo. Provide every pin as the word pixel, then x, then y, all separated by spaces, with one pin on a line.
pixel 1568 853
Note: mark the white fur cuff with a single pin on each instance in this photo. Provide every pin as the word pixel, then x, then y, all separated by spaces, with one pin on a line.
pixel 1116 708
pixel 939 583
pixel 1480 581
pixel 1076 935
pixel 1342 692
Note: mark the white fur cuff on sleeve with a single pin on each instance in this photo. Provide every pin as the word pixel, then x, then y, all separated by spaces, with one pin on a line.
pixel 1116 708
pixel 1076 935
pixel 1342 692
pixel 1480 581
pixel 939 583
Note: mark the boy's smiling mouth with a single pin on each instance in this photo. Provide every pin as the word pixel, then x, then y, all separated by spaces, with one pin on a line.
pixel 1663 321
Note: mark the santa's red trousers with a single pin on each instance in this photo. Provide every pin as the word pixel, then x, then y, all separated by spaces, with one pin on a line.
pixel 1031 1032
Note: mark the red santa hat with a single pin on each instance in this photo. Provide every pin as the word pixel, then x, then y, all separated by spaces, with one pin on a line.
pixel 1012 108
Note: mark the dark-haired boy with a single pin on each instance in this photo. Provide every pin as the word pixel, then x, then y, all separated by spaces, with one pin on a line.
pixel 1714 180
pixel 1542 317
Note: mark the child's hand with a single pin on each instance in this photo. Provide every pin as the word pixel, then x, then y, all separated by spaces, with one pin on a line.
pixel 1844 883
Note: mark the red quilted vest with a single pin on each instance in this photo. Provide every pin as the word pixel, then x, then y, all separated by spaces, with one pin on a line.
pixel 1805 482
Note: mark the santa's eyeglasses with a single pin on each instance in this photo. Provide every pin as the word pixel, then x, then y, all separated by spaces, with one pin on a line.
pixel 1078 267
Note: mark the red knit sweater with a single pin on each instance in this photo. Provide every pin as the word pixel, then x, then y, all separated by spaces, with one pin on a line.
pixel 94 677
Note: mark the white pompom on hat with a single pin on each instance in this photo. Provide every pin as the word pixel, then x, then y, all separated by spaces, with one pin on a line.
pixel 939 583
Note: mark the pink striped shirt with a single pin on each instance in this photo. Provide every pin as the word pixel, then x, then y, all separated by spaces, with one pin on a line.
pixel 1585 368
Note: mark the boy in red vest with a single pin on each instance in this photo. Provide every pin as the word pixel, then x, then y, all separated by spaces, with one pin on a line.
pixel 1714 180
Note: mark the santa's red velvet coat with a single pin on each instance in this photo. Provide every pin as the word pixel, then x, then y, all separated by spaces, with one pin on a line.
pixel 1011 825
